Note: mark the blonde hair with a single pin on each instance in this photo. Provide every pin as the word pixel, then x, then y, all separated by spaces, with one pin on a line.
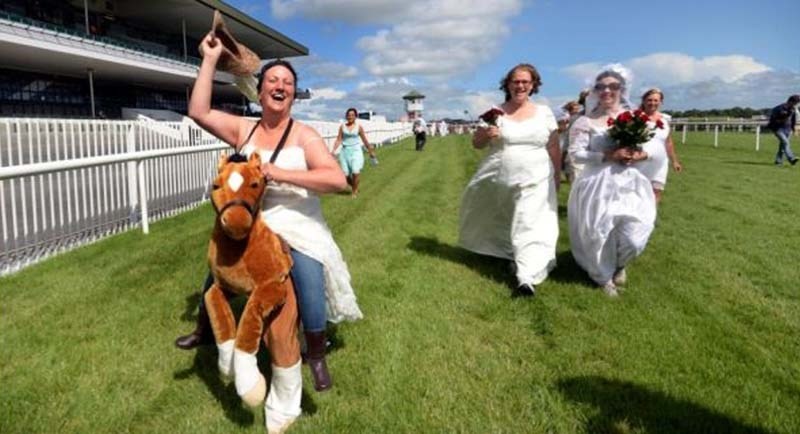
pixel 651 92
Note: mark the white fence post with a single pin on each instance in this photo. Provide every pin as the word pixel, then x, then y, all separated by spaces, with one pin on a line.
pixel 130 144
pixel 716 136
pixel 758 137
pixel 142 195
pixel 683 136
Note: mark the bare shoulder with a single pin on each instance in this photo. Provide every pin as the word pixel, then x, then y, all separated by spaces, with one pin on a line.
pixel 307 135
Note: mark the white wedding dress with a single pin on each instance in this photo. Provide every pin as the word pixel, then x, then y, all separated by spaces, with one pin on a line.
pixel 656 167
pixel 295 214
pixel 611 208
pixel 509 208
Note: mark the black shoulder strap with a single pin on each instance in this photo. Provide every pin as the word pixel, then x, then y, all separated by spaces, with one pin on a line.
pixel 250 135
pixel 277 148
pixel 282 142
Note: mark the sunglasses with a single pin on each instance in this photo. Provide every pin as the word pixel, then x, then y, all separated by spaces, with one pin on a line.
pixel 599 87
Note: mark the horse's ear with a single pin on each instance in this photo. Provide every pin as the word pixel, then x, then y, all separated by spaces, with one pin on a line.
pixel 223 158
pixel 255 160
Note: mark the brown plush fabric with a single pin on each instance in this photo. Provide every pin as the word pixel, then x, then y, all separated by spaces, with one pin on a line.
pixel 246 257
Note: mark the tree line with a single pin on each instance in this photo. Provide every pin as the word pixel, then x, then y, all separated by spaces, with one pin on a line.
pixel 735 112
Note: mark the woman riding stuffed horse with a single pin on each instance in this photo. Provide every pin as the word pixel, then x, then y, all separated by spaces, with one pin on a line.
pixel 246 257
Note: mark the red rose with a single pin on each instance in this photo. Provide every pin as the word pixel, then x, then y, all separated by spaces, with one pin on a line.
pixel 625 117
pixel 638 112
pixel 610 122
pixel 644 117
pixel 659 124
pixel 490 117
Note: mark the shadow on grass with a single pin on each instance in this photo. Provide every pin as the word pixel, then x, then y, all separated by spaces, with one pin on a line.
pixel 494 268
pixel 625 406
pixel 205 368
pixel 752 163
pixel 568 271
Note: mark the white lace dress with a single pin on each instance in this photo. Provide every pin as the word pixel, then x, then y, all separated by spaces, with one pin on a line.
pixel 295 214
pixel 611 208
pixel 509 209
pixel 656 167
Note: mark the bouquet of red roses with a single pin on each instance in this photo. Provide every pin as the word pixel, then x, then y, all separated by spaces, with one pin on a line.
pixel 631 129
pixel 490 117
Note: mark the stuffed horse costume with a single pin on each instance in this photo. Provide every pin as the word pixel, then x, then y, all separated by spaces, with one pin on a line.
pixel 246 257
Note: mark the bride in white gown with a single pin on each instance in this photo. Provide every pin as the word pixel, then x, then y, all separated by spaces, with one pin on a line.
pixel 509 209
pixel 611 207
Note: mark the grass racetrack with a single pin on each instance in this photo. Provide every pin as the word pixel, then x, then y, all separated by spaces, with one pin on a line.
pixel 705 339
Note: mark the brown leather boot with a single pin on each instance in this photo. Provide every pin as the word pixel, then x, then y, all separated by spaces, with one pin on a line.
pixel 315 356
pixel 202 334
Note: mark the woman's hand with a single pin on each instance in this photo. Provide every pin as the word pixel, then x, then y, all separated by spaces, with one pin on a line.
pixel 676 166
pixel 638 155
pixel 271 172
pixel 483 135
pixel 210 47
pixel 620 155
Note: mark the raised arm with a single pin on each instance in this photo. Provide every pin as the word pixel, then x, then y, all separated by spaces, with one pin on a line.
pixel 223 125
pixel 323 175
pixel 363 135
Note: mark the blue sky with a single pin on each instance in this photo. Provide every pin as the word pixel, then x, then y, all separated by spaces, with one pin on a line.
pixel 368 53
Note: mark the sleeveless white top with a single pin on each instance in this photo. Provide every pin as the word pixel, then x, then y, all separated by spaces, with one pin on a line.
pixel 295 214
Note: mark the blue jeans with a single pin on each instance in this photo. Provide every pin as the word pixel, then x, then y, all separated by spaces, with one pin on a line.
pixel 309 288
pixel 784 147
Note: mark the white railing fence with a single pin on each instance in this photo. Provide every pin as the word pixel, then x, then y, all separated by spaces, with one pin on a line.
pixel 746 126
pixel 66 183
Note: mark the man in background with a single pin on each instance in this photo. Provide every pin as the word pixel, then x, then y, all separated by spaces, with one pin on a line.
pixel 782 120
pixel 420 129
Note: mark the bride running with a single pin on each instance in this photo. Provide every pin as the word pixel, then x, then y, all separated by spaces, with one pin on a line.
pixel 509 209
pixel 611 208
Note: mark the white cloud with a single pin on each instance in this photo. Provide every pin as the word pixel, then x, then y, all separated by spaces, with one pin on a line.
pixel 327 93
pixel 755 90
pixel 320 72
pixel 432 38
pixel 357 11
pixel 701 82
pixel 675 68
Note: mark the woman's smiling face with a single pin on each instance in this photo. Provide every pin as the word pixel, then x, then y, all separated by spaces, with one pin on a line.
pixel 278 89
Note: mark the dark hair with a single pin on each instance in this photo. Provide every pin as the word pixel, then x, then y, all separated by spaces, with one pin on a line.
pixel 277 62
pixel 582 96
pixel 536 79
pixel 794 99
pixel 351 109
pixel 613 74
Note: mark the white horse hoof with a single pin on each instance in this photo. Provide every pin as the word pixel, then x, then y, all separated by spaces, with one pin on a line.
pixel 255 396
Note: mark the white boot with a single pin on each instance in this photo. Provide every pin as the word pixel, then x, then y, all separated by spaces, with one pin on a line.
pixel 225 357
pixel 283 402
pixel 250 384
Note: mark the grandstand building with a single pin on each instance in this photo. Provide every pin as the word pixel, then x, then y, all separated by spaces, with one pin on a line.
pixel 114 58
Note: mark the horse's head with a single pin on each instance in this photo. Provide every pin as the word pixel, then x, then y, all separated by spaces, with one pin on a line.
pixel 236 193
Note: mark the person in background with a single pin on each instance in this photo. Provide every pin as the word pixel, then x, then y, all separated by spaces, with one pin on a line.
pixel 659 148
pixel 569 113
pixel 509 208
pixel 420 129
pixel 782 120
pixel 351 158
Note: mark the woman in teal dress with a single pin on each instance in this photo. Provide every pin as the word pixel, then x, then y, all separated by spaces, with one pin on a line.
pixel 351 136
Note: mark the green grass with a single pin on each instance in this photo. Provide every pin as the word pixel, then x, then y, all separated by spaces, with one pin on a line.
pixel 705 339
